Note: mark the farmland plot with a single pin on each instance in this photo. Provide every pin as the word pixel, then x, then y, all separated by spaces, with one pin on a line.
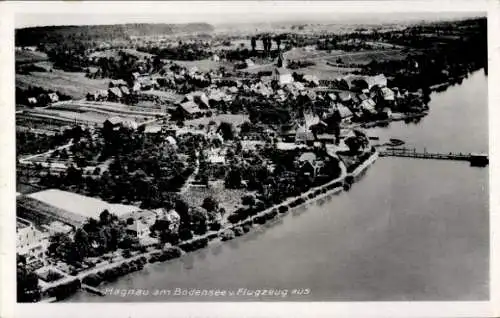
pixel 27 56
pixel 365 57
pixel 73 84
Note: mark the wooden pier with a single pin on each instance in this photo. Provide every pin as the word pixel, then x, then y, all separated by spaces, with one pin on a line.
pixel 474 159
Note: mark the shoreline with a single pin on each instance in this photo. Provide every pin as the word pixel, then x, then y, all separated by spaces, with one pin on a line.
pixel 80 282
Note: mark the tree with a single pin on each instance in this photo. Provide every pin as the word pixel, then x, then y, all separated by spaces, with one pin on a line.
pixel 210 204
pixel 182 208
pixel 227 130
pixel 233 178
pixel 105 217
pixel 62 246
pixel 28 289
pixel 82 242
pixel 278 41
pixel 199 220
pixel 248 199
pixel 253 43
pixel 246 127
pixel 128 242
pixel 354 144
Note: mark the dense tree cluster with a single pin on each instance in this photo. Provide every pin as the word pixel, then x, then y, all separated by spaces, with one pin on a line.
pixel 28 289
pixel 31 143
pixel 140 169
pixel 96 237
pixel 183 51
pixel 91 35
pixel 440 63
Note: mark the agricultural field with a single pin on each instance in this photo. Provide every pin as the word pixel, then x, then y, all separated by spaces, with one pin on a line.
pixel 54 117
pixel 326 72
pixel 309 53
pixel 76 115
pixel 235 119
pixel 365 57
pixel 73 84
pixel 114 53
pixel 205 65
pixel 108 108
pixel 41 123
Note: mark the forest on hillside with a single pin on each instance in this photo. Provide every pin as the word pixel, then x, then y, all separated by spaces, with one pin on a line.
pixel 95 33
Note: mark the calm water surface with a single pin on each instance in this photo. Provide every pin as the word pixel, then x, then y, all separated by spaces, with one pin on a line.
pixel 409 230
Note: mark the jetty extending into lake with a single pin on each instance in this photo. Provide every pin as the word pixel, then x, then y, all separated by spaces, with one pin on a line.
pixel 475 159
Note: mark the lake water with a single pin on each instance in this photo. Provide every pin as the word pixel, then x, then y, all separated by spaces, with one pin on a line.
pixel 409 230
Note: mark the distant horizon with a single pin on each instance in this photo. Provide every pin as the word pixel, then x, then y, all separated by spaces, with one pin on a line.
pixel 247 13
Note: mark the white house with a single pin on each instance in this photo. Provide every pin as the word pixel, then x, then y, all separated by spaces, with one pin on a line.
pixel 53 97
pixel 30 241
pixel 139 228
pixel 282 76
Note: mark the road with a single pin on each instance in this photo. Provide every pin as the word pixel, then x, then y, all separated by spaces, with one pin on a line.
pixel 193 175
pixel 25 160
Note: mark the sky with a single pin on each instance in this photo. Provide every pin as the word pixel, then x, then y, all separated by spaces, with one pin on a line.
pixel 229 12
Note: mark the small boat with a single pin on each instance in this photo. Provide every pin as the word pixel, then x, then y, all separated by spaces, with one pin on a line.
pixel 396 142
pixel 373 138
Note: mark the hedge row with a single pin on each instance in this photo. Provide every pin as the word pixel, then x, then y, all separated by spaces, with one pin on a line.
pixel 112 274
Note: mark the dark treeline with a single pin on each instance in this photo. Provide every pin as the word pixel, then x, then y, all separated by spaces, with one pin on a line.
pixel 97 33
pixel 184 51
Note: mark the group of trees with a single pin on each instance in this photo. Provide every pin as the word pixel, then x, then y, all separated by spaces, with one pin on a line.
pixel 446 57
pixel 356 143
pixel 293 65
pixel 94 238
pixel 31 143
pixel 140 169
pixel 112 274
pixel 285 180
pixel 183 52
pixel 193 221
pixel 41 95
pixel 123 65
pixel 266 42
pixel 28 289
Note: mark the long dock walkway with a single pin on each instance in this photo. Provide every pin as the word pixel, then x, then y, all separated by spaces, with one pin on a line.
pixel 477 159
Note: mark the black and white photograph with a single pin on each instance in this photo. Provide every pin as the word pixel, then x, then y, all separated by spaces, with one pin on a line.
pixel 252 152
